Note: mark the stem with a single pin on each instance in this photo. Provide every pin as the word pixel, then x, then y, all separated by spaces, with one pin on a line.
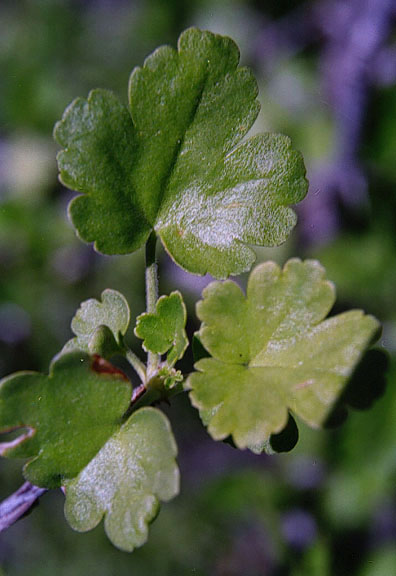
pixel 18 504
pixel 143 396
pixel 137 394
pixel 153 359
pixel 136 364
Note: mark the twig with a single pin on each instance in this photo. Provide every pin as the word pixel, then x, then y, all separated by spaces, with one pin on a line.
pixel 18 504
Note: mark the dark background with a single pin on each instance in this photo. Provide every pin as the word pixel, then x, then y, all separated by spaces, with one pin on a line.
pixel 327 77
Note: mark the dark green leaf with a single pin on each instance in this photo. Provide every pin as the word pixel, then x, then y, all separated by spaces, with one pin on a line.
pixel 65 417
pixel 174 161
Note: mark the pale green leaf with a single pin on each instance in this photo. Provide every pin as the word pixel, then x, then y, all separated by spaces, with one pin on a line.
pixel 100 326
pixel 273 351
pixel 175 162
pixel 65 417
pixel 125 481
pixel 164 330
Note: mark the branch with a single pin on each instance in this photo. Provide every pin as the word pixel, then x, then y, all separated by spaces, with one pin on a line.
pixel 19 504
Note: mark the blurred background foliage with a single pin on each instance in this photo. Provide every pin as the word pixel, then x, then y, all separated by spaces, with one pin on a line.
pixel 327 76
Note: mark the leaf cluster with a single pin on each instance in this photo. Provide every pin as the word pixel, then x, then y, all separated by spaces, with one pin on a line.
pixel 176 164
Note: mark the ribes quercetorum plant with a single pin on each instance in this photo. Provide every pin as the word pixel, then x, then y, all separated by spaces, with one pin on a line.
pixel 174 165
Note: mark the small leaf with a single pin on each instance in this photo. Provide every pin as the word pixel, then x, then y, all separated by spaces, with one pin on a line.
pixel 175 161
pixel 171 379
pixel 272 351
pixel 163 331
pixel 100 326
pixel 125 481
pixel 65 417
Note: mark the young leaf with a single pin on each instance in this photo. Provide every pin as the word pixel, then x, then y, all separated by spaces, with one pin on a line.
pixel 100 326
pixel 272 351
pixel 125 481
pixel 175 162
pixel 66 416
pixel 163 331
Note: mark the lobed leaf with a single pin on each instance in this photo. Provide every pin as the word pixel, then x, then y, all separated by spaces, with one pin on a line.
pixel 273 351
pixel 164 330
pixel 65 417
pixel 125 481
pixel 174 161
pixel 100 326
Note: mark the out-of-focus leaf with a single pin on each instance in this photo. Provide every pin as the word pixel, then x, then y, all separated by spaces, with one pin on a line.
pixel 316 561
pixel 358 278
pixel 380 563
pixel 363 479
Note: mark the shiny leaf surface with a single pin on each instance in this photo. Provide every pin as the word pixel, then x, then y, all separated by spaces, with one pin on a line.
pixel 126 480
pixel 174 162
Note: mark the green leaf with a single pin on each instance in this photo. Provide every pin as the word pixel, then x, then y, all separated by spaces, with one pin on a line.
pixel 272 351
pixel 100 326
pixel 175 162
pixel 66 416
pixel 163 331
pixel 125 481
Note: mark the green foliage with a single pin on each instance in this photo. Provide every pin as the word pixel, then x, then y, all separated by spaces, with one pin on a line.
pixel 125 480
pixel 209 195
pixel 351 499
pixel 358 278
pixel 68 415
pixel 100 326
pixel 176 161
pixel 76 438
pixel 272 351
pixel 316 562
pixel 164 330
pixel 381 564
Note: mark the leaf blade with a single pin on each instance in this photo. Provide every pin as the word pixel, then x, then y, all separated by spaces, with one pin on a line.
pixel 272 352
pixel 133 471
pixel 99 325
pixel 65 411
pixel 209 198
pixel 164 330
pixel 99 141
